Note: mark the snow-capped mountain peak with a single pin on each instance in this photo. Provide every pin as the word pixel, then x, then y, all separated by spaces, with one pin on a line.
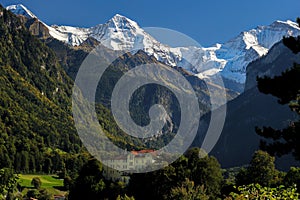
pixel 122 33
pixel 278 23
pixel 121 22
pixel 248 46
pixel 229 59
pixel 19 9
pixel 118 33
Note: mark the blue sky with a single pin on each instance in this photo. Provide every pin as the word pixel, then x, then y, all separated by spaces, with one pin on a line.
pixel 206 21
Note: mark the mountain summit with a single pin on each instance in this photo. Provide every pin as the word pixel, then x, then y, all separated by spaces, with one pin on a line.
pixel 230 59
pixel 19 9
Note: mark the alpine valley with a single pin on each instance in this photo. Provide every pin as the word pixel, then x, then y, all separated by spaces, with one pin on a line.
pixel 39 63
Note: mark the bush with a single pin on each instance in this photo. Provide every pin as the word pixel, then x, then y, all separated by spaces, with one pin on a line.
pixel 258 192
pixel 36 182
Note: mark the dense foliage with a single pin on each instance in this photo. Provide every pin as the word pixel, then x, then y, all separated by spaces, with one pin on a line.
pixel 188 191
pixel 258 192
pixel 203 173
pixel 8 183
pixel 36 126
pixel 261 170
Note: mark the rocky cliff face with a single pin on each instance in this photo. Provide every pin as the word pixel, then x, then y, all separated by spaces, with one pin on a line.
pixel 279 59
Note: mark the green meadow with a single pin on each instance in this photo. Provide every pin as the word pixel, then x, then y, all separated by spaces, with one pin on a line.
pixel 50 182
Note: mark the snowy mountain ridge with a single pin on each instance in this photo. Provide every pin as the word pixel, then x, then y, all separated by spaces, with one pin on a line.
pixel 21 10
pixel 229 59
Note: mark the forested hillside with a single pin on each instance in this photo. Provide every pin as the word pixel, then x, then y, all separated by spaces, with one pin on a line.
pixel 37 131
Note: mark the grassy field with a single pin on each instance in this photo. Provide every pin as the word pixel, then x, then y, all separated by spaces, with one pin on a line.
pixel 48 181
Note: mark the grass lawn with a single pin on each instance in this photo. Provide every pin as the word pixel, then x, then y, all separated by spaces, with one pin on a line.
pixel 49 182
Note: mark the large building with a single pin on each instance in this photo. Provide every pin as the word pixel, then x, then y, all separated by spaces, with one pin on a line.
pixel 134 161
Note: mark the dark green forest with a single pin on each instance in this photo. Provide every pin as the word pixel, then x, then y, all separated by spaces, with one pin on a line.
pixel 38 135
pixel 36 121
pixel 37 130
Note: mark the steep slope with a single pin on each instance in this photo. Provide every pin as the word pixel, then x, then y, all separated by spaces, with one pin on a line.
pixel 35 108
pixel 250 45
pixel 71 58
pixel 145 97
pixel 21 10
pixel 278 60
pixel 229 59
pixel 32 61
pixel 253 109
pixel 36 124
pixel 239 140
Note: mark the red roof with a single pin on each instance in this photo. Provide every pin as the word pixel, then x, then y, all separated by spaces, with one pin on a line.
pixel 153 152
